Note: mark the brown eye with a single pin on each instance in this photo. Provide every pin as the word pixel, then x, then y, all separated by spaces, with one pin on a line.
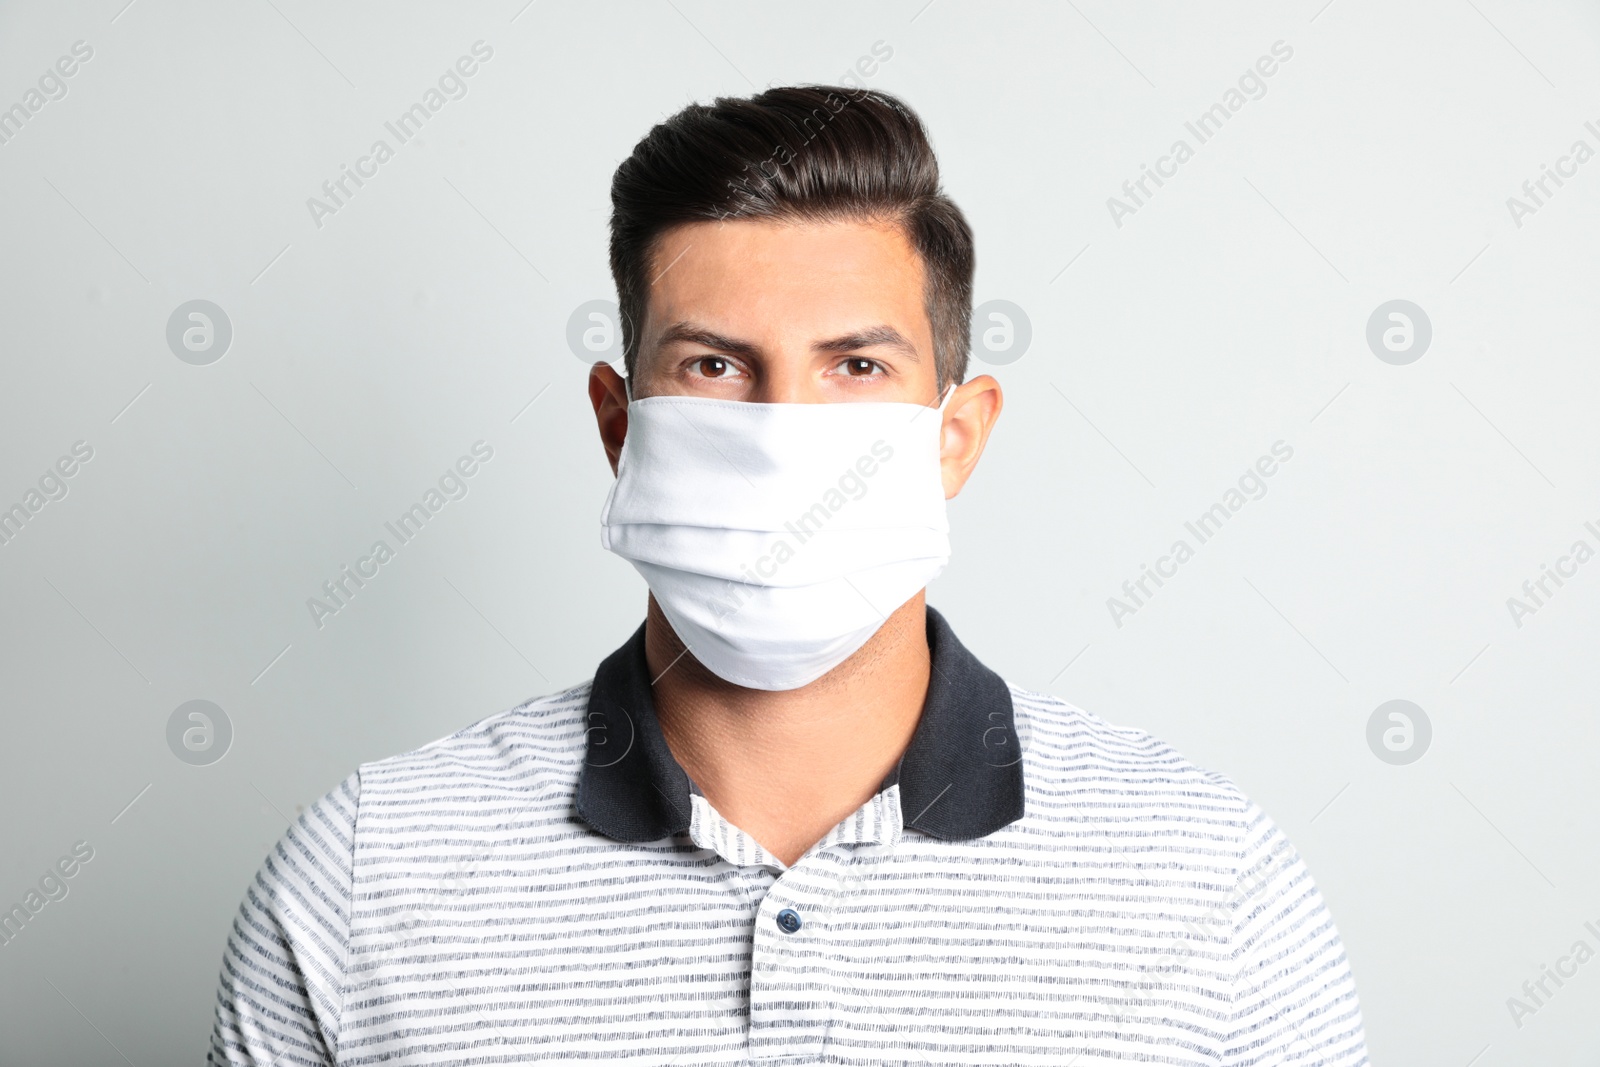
pixel 713 366
pixel 857 368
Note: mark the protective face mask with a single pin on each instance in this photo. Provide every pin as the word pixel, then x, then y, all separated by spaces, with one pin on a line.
pixel 777 538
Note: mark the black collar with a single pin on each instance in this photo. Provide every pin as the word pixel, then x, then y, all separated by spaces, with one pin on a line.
pixel 960 777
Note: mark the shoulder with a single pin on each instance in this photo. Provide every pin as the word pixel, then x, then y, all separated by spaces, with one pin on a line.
pixel 1078 764
pixel 1138 803
pixel 1063 741
pixel 519 765
pixel 284 970
pixel 503 751
pixel 539 735
pixel 311 870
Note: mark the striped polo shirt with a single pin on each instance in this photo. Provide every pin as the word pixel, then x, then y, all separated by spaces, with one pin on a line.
pixel 1030 886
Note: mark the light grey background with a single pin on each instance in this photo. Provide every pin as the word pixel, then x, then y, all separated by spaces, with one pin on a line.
pixel 1168 353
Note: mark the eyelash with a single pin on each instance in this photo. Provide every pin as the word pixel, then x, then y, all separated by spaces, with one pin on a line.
pixel 877 370
pixel 695 366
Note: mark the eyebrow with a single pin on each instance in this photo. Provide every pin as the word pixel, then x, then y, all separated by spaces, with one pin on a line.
pixel 872 337
pixel 689 332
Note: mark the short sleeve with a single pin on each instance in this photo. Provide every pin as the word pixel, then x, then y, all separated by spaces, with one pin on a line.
pixel 283 971
pixel 1294 997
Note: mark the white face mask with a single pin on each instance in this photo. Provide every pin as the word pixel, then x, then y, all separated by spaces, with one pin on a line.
pixel 777 538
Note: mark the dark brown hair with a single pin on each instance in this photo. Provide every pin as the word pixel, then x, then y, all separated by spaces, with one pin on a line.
pixel 807 153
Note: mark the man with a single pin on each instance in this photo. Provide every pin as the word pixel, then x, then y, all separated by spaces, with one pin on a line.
pixel 792 820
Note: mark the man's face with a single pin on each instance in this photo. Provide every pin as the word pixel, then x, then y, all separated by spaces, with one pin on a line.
pixel 777 312
pixel 781 312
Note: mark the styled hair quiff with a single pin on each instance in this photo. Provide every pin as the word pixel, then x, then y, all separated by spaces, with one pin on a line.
pixel 808 153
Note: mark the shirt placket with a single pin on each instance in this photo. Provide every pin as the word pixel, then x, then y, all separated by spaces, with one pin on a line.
pixel 791 995
pixel 792 1000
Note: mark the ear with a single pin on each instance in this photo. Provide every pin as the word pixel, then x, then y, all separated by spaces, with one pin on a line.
pixel 608 393
pixel 968 418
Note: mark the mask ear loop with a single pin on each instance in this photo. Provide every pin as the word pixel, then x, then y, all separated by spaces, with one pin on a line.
pixel 944 401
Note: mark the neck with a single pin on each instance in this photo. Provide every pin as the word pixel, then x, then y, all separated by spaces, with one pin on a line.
pixel 786 766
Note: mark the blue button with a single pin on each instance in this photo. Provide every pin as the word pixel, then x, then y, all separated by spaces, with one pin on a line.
pixel 788 920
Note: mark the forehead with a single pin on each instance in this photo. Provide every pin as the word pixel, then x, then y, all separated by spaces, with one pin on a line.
pixel 766 274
